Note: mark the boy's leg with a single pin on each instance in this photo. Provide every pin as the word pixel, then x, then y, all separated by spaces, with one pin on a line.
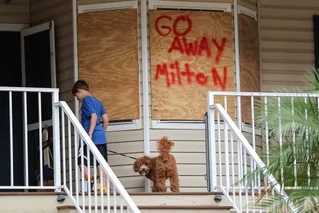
pixel 83 166
pixel 103 150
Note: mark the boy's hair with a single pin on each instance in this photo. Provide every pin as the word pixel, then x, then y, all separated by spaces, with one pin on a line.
pixel 80 84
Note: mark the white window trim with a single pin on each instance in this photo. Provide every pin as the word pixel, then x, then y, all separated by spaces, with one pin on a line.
pixel 157 4
pixel 137 123
pixel 107 6
pixel 160 124
pixel 35 126
pixel 248 12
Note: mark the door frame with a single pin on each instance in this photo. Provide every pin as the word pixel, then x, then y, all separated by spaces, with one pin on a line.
pixel 32 30
pixel 33 126
pixel 8 27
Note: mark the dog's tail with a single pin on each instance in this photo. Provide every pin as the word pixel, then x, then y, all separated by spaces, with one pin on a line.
pixel 164 147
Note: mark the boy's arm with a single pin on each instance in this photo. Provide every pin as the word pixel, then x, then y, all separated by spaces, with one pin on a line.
pixel 105 121
pixel 92 124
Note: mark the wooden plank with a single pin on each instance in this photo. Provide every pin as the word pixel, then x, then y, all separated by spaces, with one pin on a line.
pixel 284 76
pixel 315 3
pixel 120 136
pixel 183 146
pixel 178 134
pixel 188 60
pixel 249 62
pixel 293 14
pixel 281 34
pixel 84 2
pixel 125 148
pixel 183 169
pixel 108 60
pixel 286 23
pixel 287 66
pixel 270 55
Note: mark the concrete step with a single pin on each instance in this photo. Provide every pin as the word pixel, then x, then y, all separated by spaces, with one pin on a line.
pixel 161 202
pixel 39 202
pixel 157 209
pixel 163 199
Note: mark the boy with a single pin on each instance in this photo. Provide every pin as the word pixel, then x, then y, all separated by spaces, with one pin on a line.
pixel 92 111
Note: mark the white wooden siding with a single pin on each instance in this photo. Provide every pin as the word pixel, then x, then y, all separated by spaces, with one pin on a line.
pixel 17 12
pixel 287 45
pixel 60 11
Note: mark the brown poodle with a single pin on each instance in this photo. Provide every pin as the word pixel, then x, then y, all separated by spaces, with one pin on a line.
pixel 160 168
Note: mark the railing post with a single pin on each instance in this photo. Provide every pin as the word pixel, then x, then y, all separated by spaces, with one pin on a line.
pixel 56 141
pixel 211 144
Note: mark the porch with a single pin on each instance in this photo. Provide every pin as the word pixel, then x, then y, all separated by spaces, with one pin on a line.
pixel 286 50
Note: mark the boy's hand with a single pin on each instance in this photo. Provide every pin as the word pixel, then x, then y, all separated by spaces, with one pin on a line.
pixel 90 134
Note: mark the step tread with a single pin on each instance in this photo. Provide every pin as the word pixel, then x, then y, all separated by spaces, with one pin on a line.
pixel 131 193
pixel 30 193
pixel 162 193
pixel 156 207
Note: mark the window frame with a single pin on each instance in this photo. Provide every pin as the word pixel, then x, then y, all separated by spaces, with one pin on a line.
pixel 135 124
pixel 204 6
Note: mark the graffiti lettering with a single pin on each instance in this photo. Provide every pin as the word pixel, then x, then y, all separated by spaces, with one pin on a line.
pixel 180 27
pixel 168 29
pixel 198 48
pixel 200 78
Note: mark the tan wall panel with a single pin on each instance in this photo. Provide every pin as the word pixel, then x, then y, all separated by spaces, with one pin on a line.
pixel 17 12
pixel 249 62
pixel 287 46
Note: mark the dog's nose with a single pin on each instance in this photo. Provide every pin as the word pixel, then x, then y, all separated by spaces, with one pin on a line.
pixel 143 169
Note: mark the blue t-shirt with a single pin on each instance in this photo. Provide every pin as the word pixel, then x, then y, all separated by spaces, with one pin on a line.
pixel 89 106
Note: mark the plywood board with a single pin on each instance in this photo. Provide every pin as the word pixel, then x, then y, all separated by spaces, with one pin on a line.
pixel 249 62
pixel 108 60
pixel 191 53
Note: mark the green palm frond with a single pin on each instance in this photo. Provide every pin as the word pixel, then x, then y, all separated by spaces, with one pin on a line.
pixel 294 157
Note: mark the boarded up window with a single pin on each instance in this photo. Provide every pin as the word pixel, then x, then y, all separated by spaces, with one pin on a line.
pixel 191 53
pixel 249 62
pixel 108 60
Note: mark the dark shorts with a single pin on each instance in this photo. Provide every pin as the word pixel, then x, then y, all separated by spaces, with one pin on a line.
pixel 102 149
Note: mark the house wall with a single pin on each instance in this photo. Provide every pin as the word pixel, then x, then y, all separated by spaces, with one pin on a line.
pixel 60 11
pixel 189 147
pixel 287 45
pixel 17 12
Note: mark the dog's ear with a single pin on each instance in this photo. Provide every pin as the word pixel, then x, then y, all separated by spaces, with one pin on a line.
pixel 136 165
pixel 149 163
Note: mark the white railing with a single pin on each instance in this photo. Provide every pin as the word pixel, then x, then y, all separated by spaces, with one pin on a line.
pixel 24 112
pixel 238 193
pixel 232 161
pixel 75 184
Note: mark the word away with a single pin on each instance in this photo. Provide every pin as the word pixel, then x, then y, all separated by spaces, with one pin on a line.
pixel 174 76
pixel 198 48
